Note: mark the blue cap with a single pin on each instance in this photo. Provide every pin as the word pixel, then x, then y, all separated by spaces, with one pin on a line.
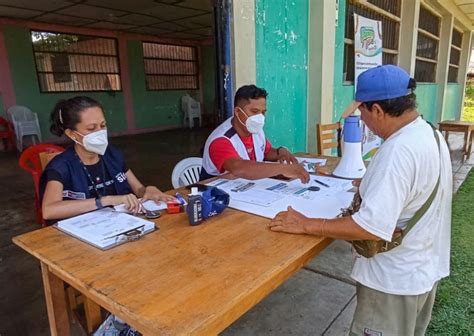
pixel 379 83
pixel 382 82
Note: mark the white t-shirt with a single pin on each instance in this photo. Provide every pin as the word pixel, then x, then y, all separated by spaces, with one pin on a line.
pixel 398 181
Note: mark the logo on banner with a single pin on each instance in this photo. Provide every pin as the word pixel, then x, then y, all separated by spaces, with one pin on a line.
pixel 367 40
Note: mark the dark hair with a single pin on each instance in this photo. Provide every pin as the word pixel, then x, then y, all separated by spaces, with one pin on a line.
pixel 396 106
pixel 247 92
pixel 67 113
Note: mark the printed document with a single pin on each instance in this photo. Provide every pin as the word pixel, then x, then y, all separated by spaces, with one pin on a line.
pixel 310 163
pixel 313 199
pixel 105 228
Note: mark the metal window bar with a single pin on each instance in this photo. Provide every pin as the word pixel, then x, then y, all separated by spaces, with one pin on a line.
pixel 170 67
pixel 425 71
pixel 457 38
pixel 429 21
pixel 390 27
pixel 453 74
pixel 68 63
pixel 391 6
pixel 455 56
pixel 388 11
pixel 427 47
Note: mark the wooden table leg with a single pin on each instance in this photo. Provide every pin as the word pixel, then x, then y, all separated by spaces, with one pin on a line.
pixel 93 317
pixel 469 147
pixel 466 145
pixel 56 303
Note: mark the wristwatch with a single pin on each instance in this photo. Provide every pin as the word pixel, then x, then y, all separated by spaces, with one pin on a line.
pixel 98 203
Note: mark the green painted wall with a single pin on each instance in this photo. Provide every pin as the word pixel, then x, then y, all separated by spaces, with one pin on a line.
pixel 151 108
pixel 281 34
pixel 208 69
pixel 343 93
pixel 452 102
pixel 427 99
pixel 25 83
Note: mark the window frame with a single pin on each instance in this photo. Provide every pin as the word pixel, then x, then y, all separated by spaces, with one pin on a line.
pixel 459 49
pixel 197 75
pixel 116 56
pixel 390 16
pixel 430 36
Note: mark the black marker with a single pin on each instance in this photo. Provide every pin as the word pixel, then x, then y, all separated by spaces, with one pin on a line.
pixel 321 183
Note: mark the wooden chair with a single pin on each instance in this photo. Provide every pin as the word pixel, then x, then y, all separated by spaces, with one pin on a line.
pixel 329 136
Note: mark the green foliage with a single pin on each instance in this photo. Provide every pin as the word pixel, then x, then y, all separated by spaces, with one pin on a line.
pixel 453 309
pixel 52 41
pixel 468 111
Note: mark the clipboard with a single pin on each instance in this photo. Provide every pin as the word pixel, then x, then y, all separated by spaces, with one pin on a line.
pixel 106 228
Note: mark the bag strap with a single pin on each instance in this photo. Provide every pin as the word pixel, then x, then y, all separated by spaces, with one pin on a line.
pixel 416 217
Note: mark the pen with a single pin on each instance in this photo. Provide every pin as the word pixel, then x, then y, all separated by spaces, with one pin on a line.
pixel 321 183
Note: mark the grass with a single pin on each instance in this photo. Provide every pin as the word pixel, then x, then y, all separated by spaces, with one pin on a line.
pixel 453 309
pixel 468 111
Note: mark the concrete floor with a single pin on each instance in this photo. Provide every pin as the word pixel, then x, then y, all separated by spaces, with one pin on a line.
pixel 318 300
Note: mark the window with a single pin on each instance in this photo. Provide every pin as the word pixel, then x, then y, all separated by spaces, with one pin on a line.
pixel 66 62
pixel 387 11
pixel 427 46
pixel 455 56
pixel 170 67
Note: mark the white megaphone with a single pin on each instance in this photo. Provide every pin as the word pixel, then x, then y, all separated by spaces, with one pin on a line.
pixel 351 165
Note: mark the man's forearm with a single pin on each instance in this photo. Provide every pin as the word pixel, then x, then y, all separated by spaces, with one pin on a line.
pixel 254 170
pixel 272 155
pixel 339 228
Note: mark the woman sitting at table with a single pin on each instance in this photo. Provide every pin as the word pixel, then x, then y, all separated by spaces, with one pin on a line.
pixel 91 174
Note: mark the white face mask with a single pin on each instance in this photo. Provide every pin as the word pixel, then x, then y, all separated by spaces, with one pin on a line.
pixel 95 142
pixel 254 123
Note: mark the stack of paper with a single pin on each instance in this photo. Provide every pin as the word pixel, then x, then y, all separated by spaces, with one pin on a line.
pixel 105 228
pixel 267 197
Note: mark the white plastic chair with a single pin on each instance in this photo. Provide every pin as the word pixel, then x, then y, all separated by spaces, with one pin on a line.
pixel 25 123
pixel 191 110
pixel 186 172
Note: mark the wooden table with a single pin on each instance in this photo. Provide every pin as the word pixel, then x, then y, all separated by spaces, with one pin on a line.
pixel 179 280
pixel 465 127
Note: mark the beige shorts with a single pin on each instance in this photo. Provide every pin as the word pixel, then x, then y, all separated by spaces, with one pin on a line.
pixel 382 314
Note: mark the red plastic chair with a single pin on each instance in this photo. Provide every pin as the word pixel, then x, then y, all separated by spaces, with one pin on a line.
pixel 30 161
pixel 7 134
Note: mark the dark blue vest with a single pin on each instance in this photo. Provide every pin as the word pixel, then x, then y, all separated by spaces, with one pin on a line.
pixel 75 180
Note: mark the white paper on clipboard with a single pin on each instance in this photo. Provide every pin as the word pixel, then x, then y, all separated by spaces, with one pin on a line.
pixel 104 228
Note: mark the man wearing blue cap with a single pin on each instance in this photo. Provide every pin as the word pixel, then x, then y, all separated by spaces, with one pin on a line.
pixel 400 220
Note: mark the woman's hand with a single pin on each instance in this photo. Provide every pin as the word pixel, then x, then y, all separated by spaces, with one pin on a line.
pixel 290 221
pixel 154 194
pixel 130 201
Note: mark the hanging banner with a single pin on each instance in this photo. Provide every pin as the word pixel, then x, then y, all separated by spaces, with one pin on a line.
pixel 368 54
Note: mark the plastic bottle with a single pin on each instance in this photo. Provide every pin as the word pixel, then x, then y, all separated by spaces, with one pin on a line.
pixel 194 207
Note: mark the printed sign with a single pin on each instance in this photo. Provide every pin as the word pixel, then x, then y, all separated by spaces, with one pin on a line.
pixel 368 54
